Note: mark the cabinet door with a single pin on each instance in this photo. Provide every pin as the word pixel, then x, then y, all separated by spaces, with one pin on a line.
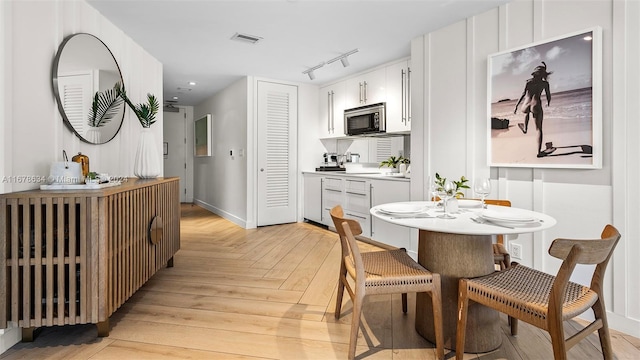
pixel 313 198
pixel 398 97
pixel 365 89
pixel 386 191
pixel 332 105
pixel 332 195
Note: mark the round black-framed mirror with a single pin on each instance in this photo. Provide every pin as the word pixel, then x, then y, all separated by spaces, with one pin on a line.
pixel 85 73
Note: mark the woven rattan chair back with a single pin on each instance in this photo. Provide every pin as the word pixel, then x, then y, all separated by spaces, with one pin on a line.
pixel 380 272
pixel 546 301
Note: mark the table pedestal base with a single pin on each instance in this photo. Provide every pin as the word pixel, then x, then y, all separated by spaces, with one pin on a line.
pixel 456 256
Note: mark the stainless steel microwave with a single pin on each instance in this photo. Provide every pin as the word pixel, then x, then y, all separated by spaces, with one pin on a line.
pixel 367 119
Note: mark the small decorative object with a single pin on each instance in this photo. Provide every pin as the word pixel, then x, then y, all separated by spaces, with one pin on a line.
pixel 83 160
pixel 146 163
pixel 92 178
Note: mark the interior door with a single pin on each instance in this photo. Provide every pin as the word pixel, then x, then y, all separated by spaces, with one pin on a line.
pixel 277 159
pixel 175 158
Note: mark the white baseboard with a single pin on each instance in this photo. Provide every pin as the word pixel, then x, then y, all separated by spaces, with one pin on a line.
pixel 9 337
pixel 234 219
pixel 624 324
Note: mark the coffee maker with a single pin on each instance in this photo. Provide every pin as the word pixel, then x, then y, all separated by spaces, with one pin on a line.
pixel 330 162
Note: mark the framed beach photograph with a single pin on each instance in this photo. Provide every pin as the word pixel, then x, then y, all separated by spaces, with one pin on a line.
pixel 545 103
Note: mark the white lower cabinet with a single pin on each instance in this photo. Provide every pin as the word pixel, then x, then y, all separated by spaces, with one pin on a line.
pixel 382 192
pixel 357 196
pixel 313 197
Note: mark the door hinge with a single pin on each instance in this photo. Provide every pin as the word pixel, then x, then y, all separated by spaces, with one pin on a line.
pixel 185 115
pixel 185 165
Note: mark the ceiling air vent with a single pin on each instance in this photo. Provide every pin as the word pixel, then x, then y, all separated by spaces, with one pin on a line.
pixel 246 38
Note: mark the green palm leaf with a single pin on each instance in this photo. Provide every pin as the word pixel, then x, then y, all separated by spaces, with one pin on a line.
pixel 146 113
pixel 105 106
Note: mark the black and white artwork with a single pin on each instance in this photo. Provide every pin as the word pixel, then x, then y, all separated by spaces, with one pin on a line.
pixel 545 104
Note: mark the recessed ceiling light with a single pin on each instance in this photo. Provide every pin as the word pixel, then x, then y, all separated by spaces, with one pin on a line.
pixel 251 39
pixel 175 98
pixel 588 38
pixel 192 83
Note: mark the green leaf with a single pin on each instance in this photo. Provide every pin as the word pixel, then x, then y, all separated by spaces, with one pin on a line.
pixel 146 113
pixel 105 106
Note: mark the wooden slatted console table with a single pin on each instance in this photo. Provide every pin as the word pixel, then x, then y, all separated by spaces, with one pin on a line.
pixel 75 256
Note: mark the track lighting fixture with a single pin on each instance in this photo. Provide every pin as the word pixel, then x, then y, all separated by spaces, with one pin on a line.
pixel 310 71
pixel 343 58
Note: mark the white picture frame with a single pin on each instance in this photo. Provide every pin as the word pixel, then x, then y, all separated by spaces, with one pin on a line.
pixel 202 136
pixel 571 121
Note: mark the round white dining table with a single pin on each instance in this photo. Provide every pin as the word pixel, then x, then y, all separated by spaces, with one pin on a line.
pixel 460 248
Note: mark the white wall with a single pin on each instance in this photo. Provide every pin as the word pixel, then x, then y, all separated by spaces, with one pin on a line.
pixel 449 110
pixel 31 128
pixel 220 181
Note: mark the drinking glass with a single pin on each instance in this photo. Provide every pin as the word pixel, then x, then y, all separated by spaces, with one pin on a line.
pixel 445 194
pixel 432 187
pixel 482 187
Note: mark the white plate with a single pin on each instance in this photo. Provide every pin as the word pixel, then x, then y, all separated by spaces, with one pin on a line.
pixel 395 209
pixel 506 217
pixel 466 203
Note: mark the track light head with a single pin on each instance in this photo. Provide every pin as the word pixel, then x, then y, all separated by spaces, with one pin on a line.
pixel 310 73
pixel 343 58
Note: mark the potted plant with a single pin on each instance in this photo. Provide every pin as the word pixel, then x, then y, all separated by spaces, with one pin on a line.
pixel 146 163
pixel 146 113
pixel 459 185
pixel 392 163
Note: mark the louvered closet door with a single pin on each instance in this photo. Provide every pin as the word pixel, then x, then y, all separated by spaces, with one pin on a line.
pixel 277 145
pixel 75 93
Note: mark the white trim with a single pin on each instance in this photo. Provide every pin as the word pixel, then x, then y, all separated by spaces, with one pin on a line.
pixel 234 219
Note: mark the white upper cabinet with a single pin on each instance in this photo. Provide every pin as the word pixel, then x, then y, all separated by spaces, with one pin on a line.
pixel 332 105
pixel 389 83
pixel 398 97
pixel 367 88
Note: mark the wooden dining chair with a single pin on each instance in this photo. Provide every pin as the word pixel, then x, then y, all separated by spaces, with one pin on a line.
pixel 544 300
pixel 501 256
pixel 381 272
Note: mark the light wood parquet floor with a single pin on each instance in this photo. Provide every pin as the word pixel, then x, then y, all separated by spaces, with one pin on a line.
pixel 266 293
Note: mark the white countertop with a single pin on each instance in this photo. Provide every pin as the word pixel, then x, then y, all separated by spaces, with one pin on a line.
pixel 462 224
pixel 377 176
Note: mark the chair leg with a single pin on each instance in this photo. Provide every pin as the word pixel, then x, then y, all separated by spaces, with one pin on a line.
pixel 514 326
pixel 436 301
pixel 556 331
pixel 463 307
pixel 605 338
pixel 355 325
pixel 343 273
pixel 404 303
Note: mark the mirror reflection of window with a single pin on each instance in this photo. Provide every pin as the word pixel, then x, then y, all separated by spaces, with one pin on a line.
pixel 375 149
pixel 202 138
pixel 83 66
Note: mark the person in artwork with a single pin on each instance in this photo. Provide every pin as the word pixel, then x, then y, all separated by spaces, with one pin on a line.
pixel 532 104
